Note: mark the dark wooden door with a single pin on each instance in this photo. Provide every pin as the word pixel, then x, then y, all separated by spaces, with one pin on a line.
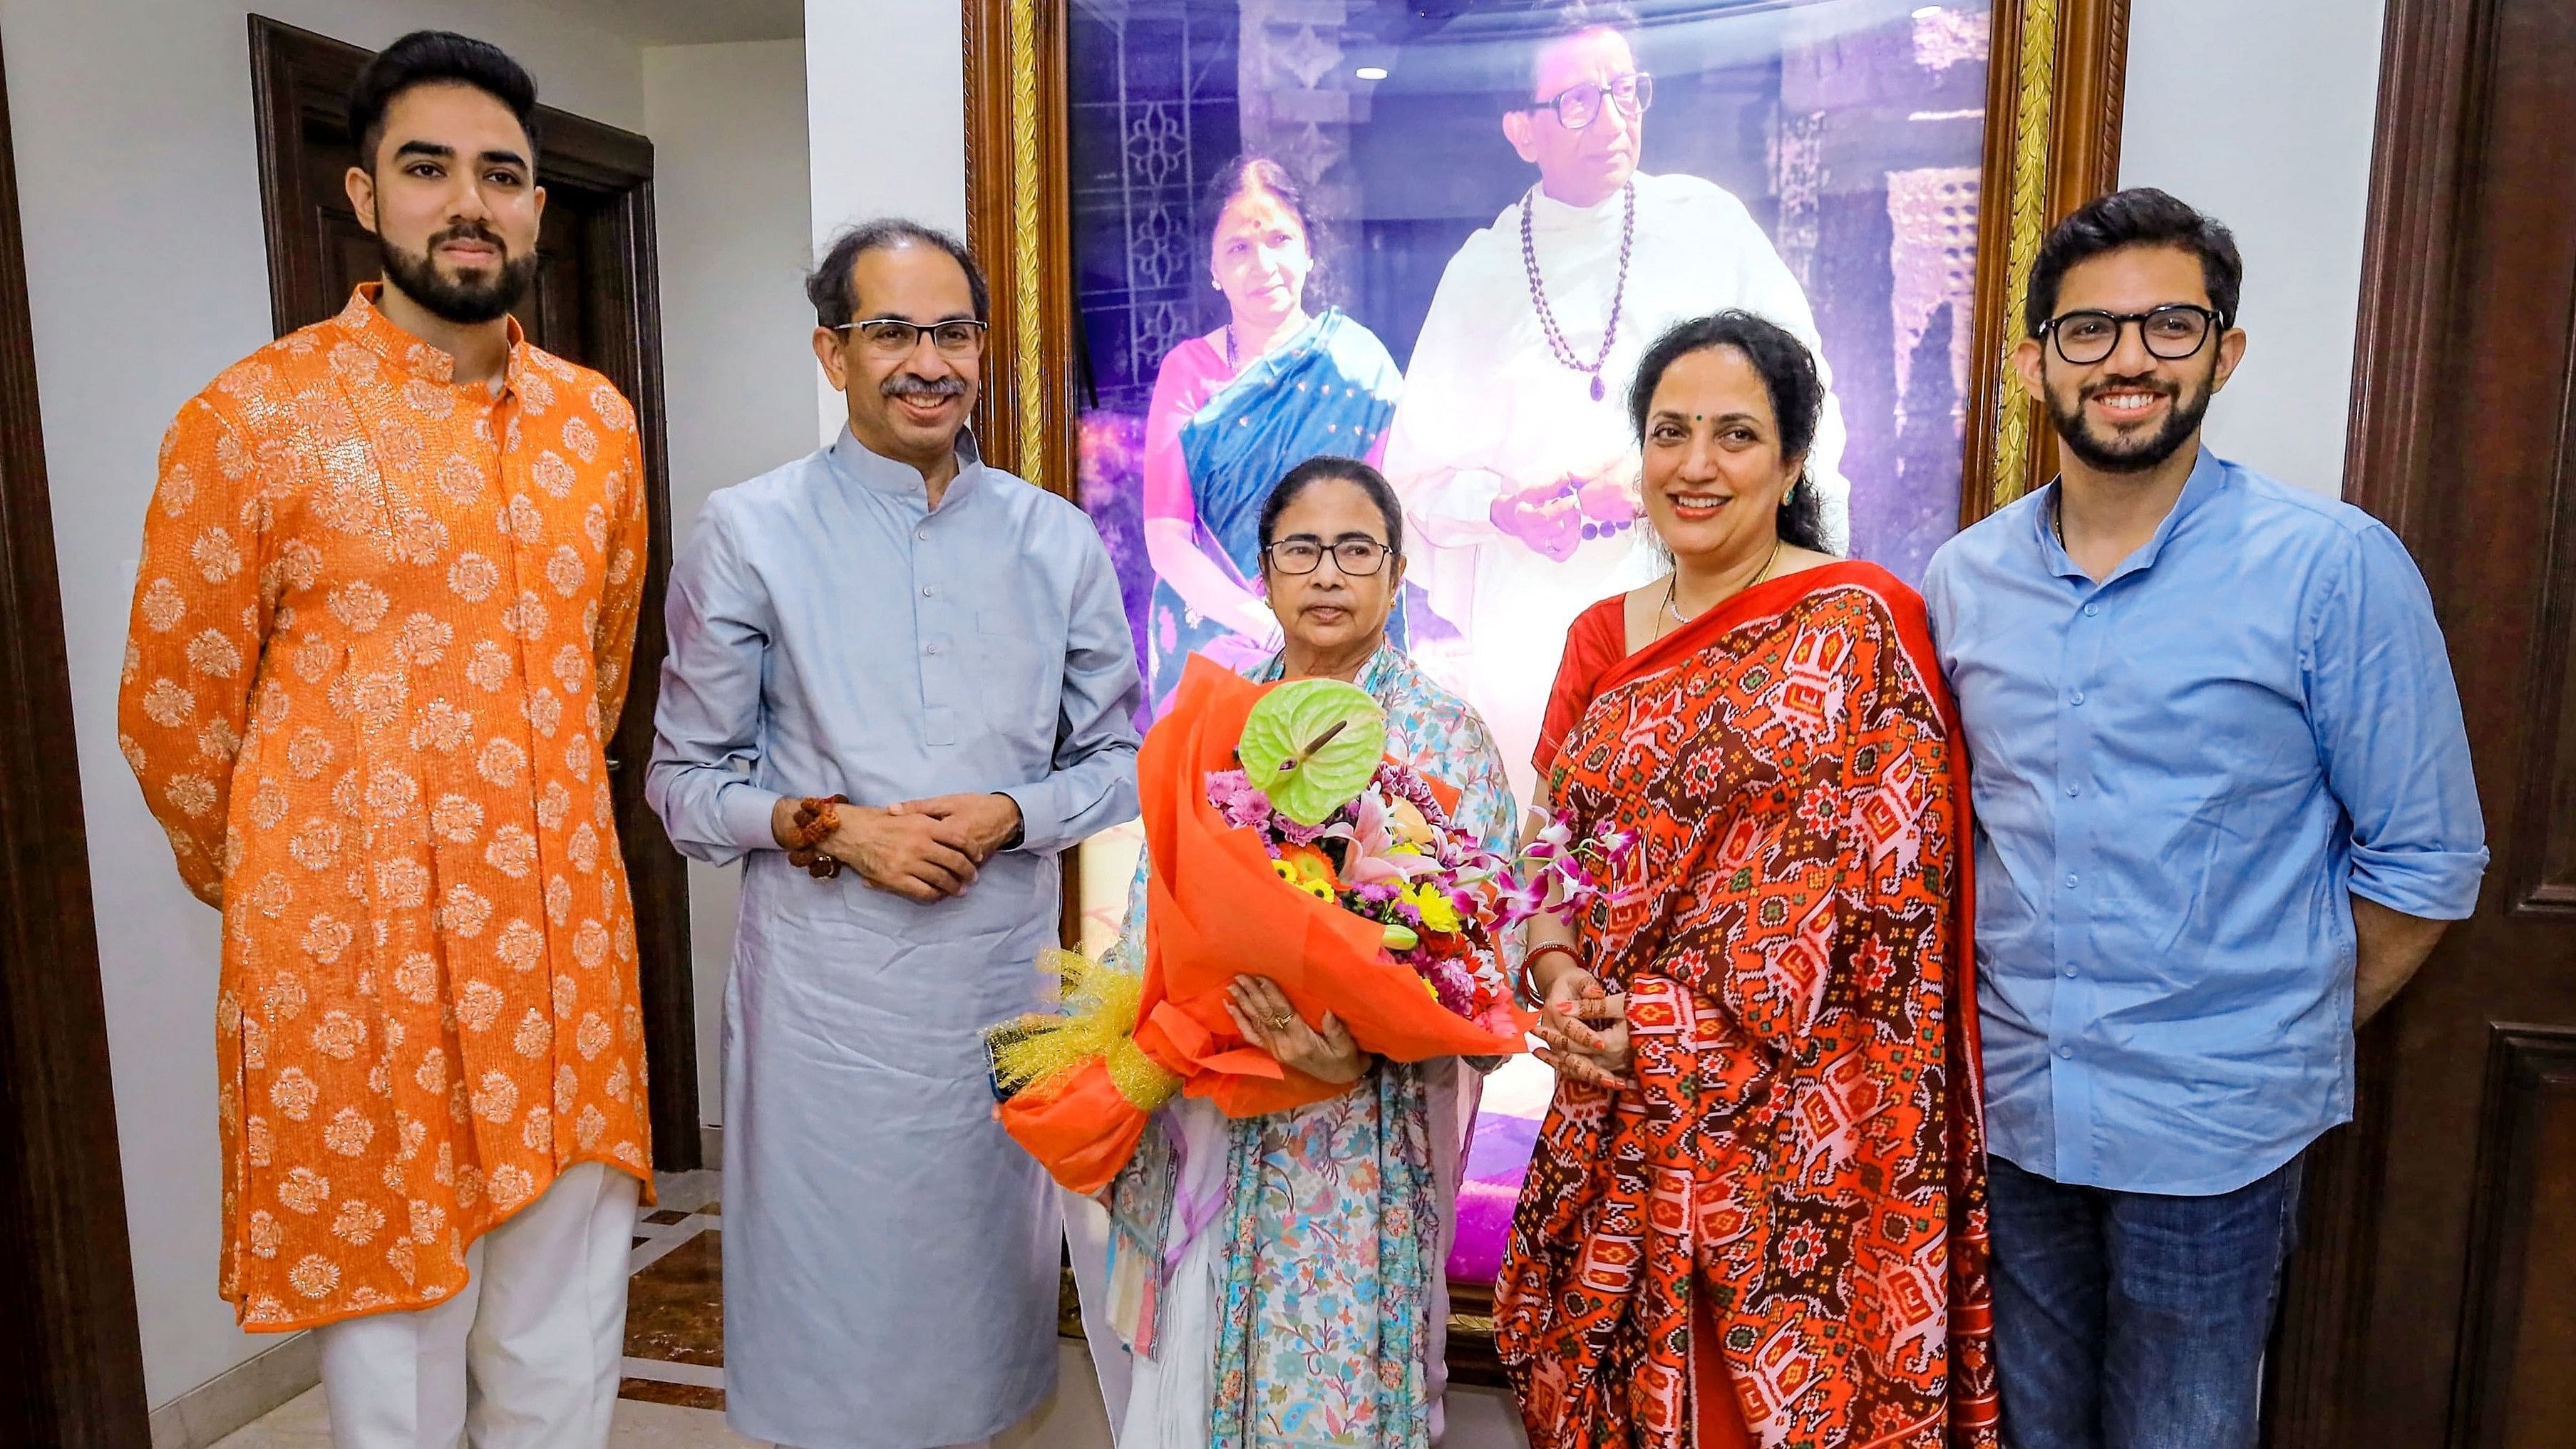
pixel 595 301
pixel 75 1376
pixel 2435 1303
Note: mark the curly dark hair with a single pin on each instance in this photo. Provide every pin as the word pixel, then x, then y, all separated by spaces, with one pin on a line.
pixel 2141 216
pixel 1788 372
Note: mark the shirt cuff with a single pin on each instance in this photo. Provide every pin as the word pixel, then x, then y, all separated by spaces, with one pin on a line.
pixel 2430 885
pixel 1038 823
pixel 746 811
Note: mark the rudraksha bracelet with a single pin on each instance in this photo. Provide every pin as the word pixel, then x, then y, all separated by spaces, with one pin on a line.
pixel 816 821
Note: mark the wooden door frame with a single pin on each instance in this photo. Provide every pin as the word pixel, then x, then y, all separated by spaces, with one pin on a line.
pixel 2433 59
pixel 68 1287
pixel 296 76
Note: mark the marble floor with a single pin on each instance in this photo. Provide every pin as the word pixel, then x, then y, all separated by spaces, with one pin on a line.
pixel 672 1396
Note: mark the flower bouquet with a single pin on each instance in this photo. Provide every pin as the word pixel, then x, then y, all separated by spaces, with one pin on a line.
pixel 1281 843
pixel 1389 852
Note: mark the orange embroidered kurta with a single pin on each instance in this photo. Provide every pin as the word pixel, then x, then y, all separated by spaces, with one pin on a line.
pixel 381 625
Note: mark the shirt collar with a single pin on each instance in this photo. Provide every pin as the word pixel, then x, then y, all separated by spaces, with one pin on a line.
pixel 1378 678
pixel 2208 476
pixel 1549 214
pixel 880 474
pixel 378 334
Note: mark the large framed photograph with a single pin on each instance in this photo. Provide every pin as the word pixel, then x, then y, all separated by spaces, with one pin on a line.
pixel 1231 235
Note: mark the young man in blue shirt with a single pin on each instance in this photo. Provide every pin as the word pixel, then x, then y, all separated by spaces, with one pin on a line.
pixel 2224 811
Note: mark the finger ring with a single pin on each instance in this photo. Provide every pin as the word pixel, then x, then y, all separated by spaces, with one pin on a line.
pixel 1279 1023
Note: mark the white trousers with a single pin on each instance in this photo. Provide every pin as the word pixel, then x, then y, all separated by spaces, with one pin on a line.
pixel 527 1355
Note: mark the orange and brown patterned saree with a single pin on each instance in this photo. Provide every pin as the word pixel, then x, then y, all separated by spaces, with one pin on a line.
pixel 1779 1237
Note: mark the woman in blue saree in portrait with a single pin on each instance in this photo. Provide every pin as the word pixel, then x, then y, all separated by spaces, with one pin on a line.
pixel 1234 410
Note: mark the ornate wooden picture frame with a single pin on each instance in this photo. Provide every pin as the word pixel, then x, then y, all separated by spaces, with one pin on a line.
pixel 2051 118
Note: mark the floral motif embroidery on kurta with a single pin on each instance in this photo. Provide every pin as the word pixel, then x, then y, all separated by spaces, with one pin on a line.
pixel 381 626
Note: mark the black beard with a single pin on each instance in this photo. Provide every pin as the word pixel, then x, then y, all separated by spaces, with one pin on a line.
pixel 467 300
pixel 2130 457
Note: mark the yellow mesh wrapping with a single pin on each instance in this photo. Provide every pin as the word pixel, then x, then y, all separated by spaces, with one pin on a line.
pixel 1098 1024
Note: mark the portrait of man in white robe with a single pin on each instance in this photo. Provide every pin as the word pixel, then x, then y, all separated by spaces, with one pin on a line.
pixel 1474 190
pixel 1511 446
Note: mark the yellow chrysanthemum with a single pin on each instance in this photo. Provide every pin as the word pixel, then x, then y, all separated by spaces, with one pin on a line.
pixel 1439 916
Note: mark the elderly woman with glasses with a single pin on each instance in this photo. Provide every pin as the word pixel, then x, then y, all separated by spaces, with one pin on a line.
pixel 1277 1280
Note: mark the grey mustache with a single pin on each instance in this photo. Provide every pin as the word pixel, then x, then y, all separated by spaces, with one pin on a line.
pixel 923 387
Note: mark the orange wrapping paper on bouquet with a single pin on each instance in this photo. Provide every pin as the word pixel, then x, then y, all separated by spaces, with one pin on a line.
pixel 1216 910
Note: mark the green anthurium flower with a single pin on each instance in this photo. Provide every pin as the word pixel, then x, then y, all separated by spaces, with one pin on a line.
pixel 1312 745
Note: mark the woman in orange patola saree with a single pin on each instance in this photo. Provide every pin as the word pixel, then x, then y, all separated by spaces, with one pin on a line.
pixel 1756 1215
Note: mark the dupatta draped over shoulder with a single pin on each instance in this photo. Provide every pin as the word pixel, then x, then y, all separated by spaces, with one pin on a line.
pixel 1779 1238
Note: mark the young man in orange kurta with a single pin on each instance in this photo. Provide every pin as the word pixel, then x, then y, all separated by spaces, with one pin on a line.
pixel 388 594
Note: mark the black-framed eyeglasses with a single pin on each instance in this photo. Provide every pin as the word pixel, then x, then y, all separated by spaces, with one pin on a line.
pixel 1357 557
pixel 958 337
pixel 1579 105
pixel 2173 332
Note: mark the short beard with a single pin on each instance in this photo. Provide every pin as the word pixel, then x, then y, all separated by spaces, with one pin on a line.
pixel 2130 456
pixel 468 300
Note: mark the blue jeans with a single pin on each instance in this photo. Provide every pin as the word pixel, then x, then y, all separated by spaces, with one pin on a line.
pixel 2131 1320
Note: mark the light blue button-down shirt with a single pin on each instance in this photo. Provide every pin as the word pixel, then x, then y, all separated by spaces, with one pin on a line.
pixel 2180 776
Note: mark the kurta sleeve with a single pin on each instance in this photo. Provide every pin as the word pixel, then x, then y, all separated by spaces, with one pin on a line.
pixel 613 643
pixel 1437 447
pixel 203 602
pixel 1092 784
pixel 706 725
pixel 2386 717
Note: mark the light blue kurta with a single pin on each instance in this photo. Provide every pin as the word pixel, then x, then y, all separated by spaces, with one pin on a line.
pixel 890 1256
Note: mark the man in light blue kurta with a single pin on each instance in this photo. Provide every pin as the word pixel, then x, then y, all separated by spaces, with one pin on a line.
pixel 943 644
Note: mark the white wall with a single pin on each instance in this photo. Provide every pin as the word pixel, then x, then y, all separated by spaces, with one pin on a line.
pixel 2261 115
pixel 147 268
pixel 139 185
pixel 729 176
pixel 885 105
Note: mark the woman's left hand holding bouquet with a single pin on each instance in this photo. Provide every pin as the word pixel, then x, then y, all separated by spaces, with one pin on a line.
pixel 1262 1013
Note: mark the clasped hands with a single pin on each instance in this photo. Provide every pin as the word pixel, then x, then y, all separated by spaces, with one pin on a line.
pixel 1585 1030
pixel 1550 518
pixel 922 850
